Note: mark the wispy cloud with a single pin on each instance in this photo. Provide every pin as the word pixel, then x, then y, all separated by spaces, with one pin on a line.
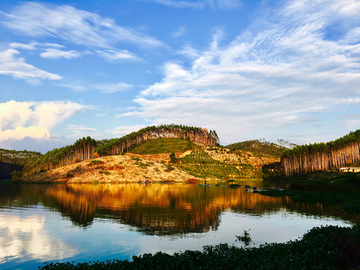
pixel 181 4
pixel 79 128
pixel 284 76
pixel 214 4
pixel 180 32
pixel 56 54
pixel 33 45
pixel 72 25
pixel 106 88
pixel 109 88
pixel 117 55
pixel 19 69
pixel 123 130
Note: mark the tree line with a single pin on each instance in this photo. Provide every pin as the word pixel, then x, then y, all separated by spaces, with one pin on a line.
pixel 322 156
pixel 87 148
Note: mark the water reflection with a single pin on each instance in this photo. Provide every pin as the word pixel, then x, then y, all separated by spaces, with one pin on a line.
pixel 24 237
pixel 84 222
pixel 157 209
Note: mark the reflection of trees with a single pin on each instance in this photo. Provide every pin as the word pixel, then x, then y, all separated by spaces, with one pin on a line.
pixel 160 209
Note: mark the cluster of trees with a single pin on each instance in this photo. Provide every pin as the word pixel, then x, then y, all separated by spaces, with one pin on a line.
pixel 321 156
pixel 82 149
pixel 87 148
pixel 11 160
pixel 128 141
pixel 261 147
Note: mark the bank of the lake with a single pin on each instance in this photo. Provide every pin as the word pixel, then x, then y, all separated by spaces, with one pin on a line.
pixel 329 247
pixel 338 190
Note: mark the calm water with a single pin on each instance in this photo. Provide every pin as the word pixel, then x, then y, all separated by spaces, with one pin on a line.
pixel 84 222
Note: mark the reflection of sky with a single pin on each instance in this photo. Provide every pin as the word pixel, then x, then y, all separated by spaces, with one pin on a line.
pixel 23 238
pixel 31 236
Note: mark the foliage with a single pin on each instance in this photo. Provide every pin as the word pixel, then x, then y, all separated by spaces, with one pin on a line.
pixel 58 154
pixel 172 157
pixel 16 174
pixel 163 145
pixel 352 137
pixel 259 147
pixel 245 238
pixel 200 164
pixel 19 154
pixel 131 140
pixel 330 247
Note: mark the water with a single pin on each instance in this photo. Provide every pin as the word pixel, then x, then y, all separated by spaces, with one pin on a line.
pixel 85 222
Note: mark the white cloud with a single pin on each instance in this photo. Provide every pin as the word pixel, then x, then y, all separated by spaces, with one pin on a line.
pixel 19 120
pixel 72 25
pixel 114 55
pixel 180 32
pixel 55 54
pixel 10 65
pixel 283 78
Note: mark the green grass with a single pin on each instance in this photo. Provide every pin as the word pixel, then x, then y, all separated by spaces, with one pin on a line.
pixel 200 164
pixel 163 145
pixel 328 247
pixel 258 148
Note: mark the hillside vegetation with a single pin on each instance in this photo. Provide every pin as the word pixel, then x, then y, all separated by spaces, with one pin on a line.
pixel 88 148
pixel 155 159
pixel 163 145
pixel 12 160
pixel 260 147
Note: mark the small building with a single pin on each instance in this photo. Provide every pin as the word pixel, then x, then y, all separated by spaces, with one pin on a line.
pixel 349 169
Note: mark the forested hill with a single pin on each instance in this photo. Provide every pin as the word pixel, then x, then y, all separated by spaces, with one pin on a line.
pixel 87 148
pixel 11 160
pixel 322 156
pixel 261 147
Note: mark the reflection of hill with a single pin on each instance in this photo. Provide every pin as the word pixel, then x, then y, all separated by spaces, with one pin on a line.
pixel 160 209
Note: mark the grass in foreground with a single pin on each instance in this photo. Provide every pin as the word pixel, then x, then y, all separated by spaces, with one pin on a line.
pixel 329 247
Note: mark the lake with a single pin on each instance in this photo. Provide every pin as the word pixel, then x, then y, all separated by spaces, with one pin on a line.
pixel 85 222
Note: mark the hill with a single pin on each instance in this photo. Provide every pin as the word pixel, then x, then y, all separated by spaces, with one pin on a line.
pixel 260 147
pixel 88 148
pixel 152 161
pixel 11 160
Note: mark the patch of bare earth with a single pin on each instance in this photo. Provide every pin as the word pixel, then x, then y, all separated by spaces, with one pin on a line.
pixel 114 169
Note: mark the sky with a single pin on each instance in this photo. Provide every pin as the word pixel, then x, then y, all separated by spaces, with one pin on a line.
pixel 248 69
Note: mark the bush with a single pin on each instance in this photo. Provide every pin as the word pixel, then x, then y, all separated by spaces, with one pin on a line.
pixel 16 174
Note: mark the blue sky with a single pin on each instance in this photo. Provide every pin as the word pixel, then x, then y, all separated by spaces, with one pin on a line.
pixel 248 69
